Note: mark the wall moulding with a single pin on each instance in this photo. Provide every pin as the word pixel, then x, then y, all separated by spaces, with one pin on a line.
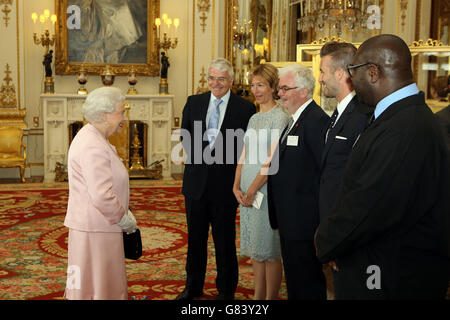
pixel 6 10
pixel 203 8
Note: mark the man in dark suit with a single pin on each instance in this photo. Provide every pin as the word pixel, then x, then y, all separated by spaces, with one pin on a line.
pixel 443 116
pixel 346 123
pixel 293 190
pixel 213 127
pixel 389 229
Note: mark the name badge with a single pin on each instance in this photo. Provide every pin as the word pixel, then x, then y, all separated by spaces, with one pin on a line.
pixel 292 141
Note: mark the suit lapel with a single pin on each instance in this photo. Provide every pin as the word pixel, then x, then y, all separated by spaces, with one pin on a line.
pixel 229 113
pixel 204 104
pixel 337 128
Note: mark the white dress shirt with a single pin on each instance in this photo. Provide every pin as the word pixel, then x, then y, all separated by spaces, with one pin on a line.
pixel 343 104
pixel 222 107
pixel 297 113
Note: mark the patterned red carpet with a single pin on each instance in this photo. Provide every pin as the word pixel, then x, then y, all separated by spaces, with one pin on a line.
pixel 33 245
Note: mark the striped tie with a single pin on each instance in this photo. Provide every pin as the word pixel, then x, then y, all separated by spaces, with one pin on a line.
pixel 214 122
pixel 288 128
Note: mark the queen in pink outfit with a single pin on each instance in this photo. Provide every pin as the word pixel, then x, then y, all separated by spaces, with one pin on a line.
pixel 97 211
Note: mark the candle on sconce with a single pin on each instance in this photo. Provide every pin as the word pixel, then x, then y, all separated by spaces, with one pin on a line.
pixel 323 4
pixel 163 23
pixel 176 23
pixel 301 8
pixel 362 6
pixel 169 24
pixel 34 17
pixel 47 16
pixel 42 22
pixel 53 19
pixel 158 24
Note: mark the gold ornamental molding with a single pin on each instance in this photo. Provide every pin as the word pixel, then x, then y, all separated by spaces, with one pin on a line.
pixel 8 91
pixel 6 10
pixel 327 39
pixel 435 47
pixel 203 7
pixel 314 47
pixel 10 113
pixel 202 88
pixel 403 9
pixel 427 44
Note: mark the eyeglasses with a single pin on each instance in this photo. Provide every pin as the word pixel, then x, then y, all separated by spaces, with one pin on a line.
pixel 285 89
pixel 351 67
pixel 220 79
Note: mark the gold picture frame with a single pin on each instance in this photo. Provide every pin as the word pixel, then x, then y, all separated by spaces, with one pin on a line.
pixel 65 64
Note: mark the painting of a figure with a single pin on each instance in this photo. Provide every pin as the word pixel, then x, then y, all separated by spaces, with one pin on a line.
pixel 111 31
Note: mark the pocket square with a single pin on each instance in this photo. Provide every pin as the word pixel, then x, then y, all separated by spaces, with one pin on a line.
pixel 341 138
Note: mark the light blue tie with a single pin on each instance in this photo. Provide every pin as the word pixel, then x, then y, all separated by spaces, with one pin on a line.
pixel 214 122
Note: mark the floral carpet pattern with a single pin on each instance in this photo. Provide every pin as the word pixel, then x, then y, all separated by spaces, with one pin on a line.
pixel 33 244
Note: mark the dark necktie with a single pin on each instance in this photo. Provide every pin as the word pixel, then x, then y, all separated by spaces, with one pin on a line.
pixel 369 122
pixel 332 121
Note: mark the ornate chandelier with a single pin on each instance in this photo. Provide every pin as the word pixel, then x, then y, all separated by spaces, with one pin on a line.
pixel 352 14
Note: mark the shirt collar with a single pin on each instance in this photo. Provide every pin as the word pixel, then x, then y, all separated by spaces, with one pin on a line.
pixel 344 103
pixel 395 96
pixel 224 99
pixel 299 111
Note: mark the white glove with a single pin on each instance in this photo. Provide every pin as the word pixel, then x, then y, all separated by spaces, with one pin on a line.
pixel 128 223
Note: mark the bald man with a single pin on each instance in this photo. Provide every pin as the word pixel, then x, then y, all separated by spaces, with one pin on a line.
pixel 388 231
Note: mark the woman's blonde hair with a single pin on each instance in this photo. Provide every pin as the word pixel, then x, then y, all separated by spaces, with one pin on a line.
pixel 269 73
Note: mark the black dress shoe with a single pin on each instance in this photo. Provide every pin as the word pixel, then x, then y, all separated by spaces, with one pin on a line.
pixel 188 295
pixel 224 296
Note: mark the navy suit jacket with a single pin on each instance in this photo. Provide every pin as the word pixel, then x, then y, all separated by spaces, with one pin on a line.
pixel 197 172
pixel 341 139
pixel 293 190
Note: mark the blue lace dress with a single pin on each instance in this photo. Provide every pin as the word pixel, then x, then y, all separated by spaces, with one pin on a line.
pixel 258 240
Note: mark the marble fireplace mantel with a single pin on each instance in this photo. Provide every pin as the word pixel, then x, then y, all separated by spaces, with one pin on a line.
pixel 60 110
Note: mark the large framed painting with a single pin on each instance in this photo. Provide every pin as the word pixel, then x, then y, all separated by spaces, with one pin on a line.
pixel 95 33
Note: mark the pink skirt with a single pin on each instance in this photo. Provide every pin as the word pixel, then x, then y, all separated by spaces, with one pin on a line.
pixel 96 266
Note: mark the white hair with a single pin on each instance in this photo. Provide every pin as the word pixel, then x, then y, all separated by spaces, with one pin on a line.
pixel 101 100
pixel 223 65
pixel 303 76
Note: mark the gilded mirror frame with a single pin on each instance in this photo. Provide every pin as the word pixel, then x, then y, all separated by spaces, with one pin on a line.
pixel 428 47
pixel 65 67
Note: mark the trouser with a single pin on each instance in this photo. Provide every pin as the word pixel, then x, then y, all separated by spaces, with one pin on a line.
pixel 302 270
pixel 200 214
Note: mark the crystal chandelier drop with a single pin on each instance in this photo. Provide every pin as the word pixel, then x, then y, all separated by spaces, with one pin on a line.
pixel 317 14
pixel 242 34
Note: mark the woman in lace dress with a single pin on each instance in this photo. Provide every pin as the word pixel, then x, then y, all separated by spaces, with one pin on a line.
pixel 258 240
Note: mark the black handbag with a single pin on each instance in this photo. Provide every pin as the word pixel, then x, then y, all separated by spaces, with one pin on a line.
pixel 132 244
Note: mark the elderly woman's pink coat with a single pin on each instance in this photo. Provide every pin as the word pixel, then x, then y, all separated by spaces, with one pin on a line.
pixel 98 198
